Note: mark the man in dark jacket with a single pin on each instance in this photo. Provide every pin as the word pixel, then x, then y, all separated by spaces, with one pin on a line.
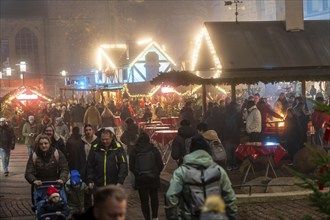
pixel 110 202
pixel 179 142
pixel 77 116
pixel 146 154
pixel 107 162
pixel 7 143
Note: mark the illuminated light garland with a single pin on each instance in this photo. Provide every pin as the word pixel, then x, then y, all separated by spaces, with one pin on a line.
pixel 22 91
pixel 147 48
pixel 155 89
pixel 108 59
pixel 198 43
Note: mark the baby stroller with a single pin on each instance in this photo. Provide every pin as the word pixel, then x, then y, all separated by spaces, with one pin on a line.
pixel 40 196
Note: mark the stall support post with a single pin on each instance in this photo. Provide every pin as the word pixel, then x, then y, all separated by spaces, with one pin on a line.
pixel 204 98
pixel 233 92
pixel 303 89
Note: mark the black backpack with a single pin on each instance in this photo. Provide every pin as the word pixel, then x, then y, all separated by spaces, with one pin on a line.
pixel 145 166
pixel 200 182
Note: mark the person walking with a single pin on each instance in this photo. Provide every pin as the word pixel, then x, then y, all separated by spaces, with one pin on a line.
pixel 145 162
pixel 29 132
pixel 7 143
pixel 107 162
pixel 198 176
pixel 77 113
pixel 75 151
pixel 130 134
pixel 180 142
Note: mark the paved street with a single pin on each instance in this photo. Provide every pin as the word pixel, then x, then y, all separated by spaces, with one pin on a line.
pixel 15 199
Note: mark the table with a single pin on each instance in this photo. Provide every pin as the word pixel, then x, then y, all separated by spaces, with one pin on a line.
pixel 173 120
pixel 163 139
pixel 144 123
pixel 253 150
pixel 151 129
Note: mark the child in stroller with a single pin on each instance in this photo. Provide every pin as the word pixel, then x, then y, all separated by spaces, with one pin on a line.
pixel 51 202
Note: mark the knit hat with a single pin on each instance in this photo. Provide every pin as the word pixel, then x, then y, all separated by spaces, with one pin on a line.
pixel 31 117
pixel 199 143
pixel 52 192
pixel 211 135
pixel 2 119
pixel 75 177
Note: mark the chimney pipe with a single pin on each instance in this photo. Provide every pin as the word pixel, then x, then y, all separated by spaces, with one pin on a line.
pixel 294 15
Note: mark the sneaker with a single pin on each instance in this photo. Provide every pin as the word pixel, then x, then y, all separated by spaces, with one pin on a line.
pixel 6 173
pixel 229 168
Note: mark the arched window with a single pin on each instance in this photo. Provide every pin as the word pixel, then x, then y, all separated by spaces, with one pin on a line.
pixel 27 49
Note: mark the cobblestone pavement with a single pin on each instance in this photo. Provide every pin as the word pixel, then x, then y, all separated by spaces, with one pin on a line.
pixel 15 199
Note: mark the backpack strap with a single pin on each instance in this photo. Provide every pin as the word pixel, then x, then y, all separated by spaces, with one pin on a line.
pixel 56 155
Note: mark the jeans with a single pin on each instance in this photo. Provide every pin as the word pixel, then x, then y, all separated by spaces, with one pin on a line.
pixel 30 150
pixel 144 198
pixel 5 155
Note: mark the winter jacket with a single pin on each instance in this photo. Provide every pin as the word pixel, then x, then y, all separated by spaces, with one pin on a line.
pixel 174 195
pixel 75 196
pixel 7 138
pixel 75 153
pixel 253 120
pixel 77 113
pixel 49 207
pixel 319 118
pixel 107 166
pixel 86 149
pixel 188 114
pixel 213 216
pixel 46 167
pixel 143 148
pixel 92 116
pixel 129 136
pixel 30 131
pixel 178 144
pixel 88 215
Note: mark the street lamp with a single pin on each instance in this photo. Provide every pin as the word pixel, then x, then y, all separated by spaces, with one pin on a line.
pixel 63 73
pixel 8 72
pixel 22 69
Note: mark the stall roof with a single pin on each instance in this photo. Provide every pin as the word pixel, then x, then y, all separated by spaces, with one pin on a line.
pixel 264 51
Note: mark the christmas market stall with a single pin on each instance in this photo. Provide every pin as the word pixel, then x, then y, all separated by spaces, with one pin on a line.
pixel 23 101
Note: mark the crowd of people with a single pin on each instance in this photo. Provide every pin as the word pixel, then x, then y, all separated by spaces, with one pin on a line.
pixel 81 149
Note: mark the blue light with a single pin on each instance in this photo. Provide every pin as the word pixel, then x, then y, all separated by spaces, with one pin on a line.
pixel 81 83
pixel 270 143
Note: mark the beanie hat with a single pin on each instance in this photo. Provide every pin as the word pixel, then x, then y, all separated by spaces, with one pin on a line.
pixel 75 177
pixel 52 192
pixel 31 117
pixel 199 143
pixel 2 119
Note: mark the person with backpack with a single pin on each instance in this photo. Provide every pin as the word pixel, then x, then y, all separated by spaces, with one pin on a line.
pixel 197 178
pixel 46 164
pixel 180 145
pixel 217 150
pixel 145 162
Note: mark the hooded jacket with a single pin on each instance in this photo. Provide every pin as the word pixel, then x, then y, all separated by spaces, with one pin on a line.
pixel 253 120
pixel 46 167
pixel 178 144
pixel 107 166
pixel 143 148
pixel 7 138
pixel 174 193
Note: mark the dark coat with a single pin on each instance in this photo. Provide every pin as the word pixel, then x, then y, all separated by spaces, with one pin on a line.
pixel 88 215
pixel 293 136
pixel 178 144
pixel 77 113
pixel 129 136
pixel 140 148
pixel 50 207
pixel 7 138
pixel 59 144
pixel 75 153
pixel 46 167
pixel 111 163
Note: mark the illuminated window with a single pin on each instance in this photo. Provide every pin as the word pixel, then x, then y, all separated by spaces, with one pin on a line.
pixel 27 49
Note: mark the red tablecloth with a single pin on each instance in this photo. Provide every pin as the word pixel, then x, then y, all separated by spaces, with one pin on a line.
pixel 256 149
pixel 170 120
pixel 164 136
